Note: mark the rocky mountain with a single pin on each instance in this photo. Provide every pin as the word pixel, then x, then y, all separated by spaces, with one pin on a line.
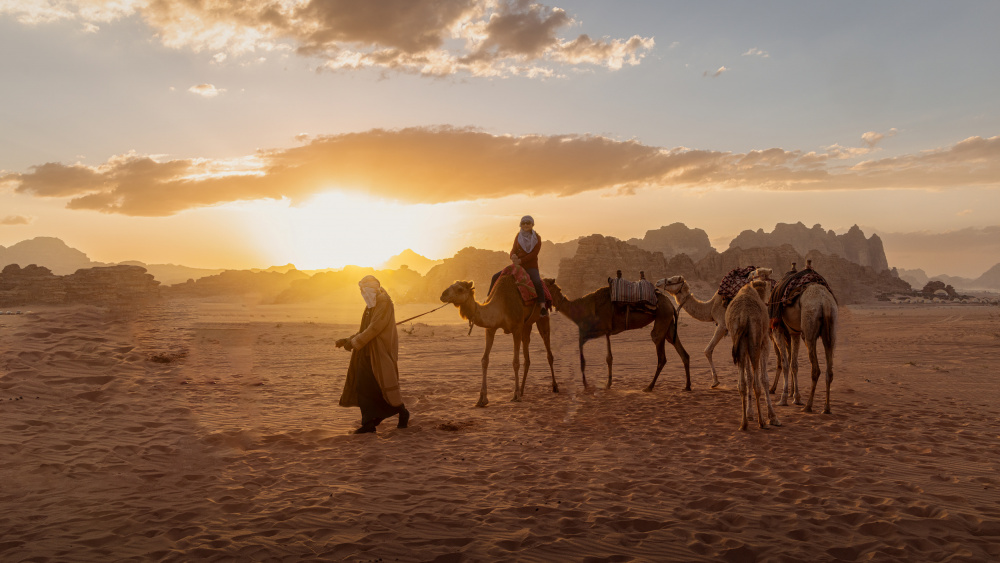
pixel 411 260
pixel 264 286
pixel 170 274
pixel 344 284
pixel 469 263
pixel 37 285
pixel 553 253
pixel 852 245
pixel 50 252
pixel 990 280
pixel 675 239
pixel 599 257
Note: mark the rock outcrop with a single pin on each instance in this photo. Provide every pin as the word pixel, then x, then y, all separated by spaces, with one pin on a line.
pixel 675 239
pixel 852 245
pixel 553 253
pixel 599 257
pixel 412 260
pixel 469 263
pixel 344 285
pixel 37 285
pixel 49 252
pixel 264 286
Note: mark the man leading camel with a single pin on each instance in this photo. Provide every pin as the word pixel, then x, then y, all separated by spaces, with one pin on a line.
pixel 373 375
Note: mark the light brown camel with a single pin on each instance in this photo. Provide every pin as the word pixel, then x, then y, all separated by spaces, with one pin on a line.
pixel 811 316
pixel 595 315
pixel 503 309
pixel 747 319
pixel 713 310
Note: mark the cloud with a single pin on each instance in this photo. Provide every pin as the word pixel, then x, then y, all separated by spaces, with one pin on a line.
pixel 715 74
pixel 444 164
pixel 872 138
pixel 755 52
pixel 206 90
pixel 15 220
pixel 430 37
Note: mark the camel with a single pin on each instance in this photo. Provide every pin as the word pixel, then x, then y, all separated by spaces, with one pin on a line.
pixel 747 319
pixel 503 309
pixel 811 316
pixel 706 311
pixel 595 315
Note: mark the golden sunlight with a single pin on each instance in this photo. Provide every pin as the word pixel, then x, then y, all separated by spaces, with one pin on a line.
pixel 336 229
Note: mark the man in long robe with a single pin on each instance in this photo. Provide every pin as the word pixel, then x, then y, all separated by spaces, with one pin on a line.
pixel 373 375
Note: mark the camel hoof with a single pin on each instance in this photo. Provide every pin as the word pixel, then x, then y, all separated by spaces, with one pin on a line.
pixel 516 399
pixel 783 403
pixel 827 411
pixel 714 385
pixel 482 404
pixel 774 422
pixel 687 388
pixel 555 388
pixel 648 389
pixel 743 427
pixel 807 409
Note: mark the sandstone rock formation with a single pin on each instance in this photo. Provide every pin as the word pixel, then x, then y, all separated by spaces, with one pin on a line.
pixel 100 286
pixel 49 252
pixel 344 285
pixel 412 260
pixel 852 245
pixel 599 257
pixel 469 263
pixel 553 253
pixel 264 286
pixel 675 239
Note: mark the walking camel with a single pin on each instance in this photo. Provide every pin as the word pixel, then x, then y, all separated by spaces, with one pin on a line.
pixel 706 311
pixel 813 315
pixel 595 315
pixel 747 319
pixel 504 309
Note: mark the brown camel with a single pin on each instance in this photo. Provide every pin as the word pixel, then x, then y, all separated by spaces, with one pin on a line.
pixel 811 316
pixel 597 316
pixel 713 310
pixel 503 309
pixel 747 319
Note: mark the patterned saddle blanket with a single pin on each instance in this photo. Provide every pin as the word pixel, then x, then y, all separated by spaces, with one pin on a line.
pixel 632 292
pixel 790 287
pixel 524 284
pixel 734 281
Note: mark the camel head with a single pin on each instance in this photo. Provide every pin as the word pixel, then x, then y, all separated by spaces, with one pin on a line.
pixel 555 290
pixel 459 293
pixel 761 286
pixel 672 285
pixel 761 274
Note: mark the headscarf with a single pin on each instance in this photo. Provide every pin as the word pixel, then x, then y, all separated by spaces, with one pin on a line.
pixel 529 239
pixel 369 289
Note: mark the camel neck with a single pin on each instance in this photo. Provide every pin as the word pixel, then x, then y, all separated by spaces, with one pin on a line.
pixel 481 314
pixel 572 308
pixel 700 310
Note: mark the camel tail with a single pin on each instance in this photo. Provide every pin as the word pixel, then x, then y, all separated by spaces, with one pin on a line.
pixel 828 327
pixel 741 339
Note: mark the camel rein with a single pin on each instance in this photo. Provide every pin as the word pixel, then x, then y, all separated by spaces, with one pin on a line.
pixel 420 315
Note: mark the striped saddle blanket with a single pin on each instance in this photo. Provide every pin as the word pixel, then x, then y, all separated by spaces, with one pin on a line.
pixel 624 291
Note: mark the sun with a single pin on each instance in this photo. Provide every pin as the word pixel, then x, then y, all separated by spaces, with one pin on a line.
pixel 338 228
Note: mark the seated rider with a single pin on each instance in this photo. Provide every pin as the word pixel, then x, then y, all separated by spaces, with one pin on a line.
pixel 524 253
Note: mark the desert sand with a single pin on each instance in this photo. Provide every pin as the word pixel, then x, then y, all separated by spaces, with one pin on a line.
pixel 198 431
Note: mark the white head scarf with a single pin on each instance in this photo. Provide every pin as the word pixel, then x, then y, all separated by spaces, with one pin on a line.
pixel 369 289
pixel 529 239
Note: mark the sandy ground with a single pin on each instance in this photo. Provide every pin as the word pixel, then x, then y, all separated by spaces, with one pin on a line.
pixel 197 431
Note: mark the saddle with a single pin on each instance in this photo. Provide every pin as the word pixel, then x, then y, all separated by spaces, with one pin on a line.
pixel 788 290
pixel 733 282
pixel 637 294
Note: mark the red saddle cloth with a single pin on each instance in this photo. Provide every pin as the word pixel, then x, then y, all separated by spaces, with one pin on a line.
pixel 524 284
pixel 625 291
pixel 734 281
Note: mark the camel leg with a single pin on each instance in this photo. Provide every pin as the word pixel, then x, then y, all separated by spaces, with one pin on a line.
pixel 518 336
pixel 772 418
pixel 609 359
pixel 784 345
pixel 794 369
pixel 741 385
pixel 814 363
pixel 755 382
pixel 543 329
pixel 828 346
pixel 720 333
pixel 661 360
pixel 525 341
pixel 583 365
pixel 490 333
pixel 686 359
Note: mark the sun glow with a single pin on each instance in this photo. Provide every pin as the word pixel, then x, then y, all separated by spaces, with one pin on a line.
pixel 336 229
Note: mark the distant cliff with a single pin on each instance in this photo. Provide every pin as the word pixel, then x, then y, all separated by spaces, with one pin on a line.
pixel 49 252
pixel 852 245
pixel 469 263
pixel 264 286
pixel 675 239
pixel 37 285
pixel 412 260
pixel 338 285
pixel 599 257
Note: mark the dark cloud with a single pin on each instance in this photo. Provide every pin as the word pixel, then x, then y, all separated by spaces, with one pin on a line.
pixel 443 164
pixel 15 220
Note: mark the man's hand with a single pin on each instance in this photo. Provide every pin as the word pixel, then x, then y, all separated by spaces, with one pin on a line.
pixel 345 343
pixel 515 259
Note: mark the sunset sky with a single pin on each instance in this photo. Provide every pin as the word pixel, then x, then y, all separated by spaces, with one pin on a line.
pixel 237 134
